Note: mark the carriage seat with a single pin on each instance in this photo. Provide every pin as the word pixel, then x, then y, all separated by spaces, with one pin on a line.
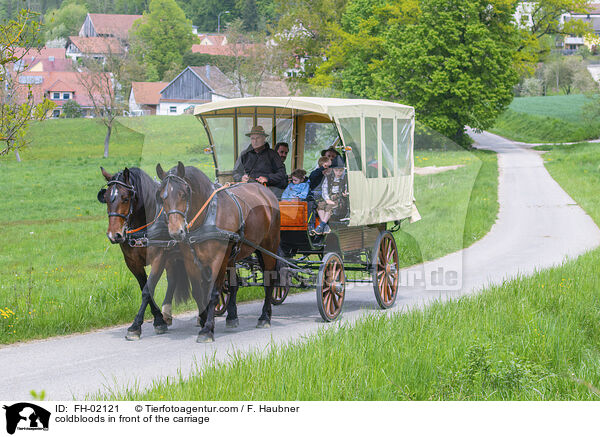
pixel 294 214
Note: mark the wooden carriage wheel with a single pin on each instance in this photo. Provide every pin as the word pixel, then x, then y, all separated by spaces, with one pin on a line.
pixel 331 287
pixel 384 269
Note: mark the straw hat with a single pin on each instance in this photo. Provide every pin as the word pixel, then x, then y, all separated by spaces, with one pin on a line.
pixel 257 130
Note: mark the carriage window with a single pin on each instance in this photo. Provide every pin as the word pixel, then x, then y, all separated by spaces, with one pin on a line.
pixel 221 130
pixel 283 131
pixel 371 146
pixel 351 133
pixel 318 137
pixel 267 124
pixel 387 147
pixel 244 126
pixel 404 146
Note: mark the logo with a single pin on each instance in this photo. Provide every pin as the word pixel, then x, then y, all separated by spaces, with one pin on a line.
pixel 26 417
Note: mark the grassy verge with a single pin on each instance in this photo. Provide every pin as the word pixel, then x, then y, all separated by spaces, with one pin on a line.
pixel 533 338
pixel 59 274
pixel 547 119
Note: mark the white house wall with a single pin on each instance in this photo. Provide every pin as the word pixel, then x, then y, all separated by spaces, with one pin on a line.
pixel 164 108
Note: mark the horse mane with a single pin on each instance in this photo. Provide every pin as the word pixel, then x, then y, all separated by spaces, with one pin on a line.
pixel 145 188
pixel 199 182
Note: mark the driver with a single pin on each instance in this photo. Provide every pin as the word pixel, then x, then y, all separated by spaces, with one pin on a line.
pixel 260 163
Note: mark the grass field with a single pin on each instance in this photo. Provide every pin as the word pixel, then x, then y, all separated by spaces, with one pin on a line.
pixel 60 275
pixel 547 119
pixel 533 338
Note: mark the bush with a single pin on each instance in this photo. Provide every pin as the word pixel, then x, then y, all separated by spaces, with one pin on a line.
pixel 72 109
pixel 532 86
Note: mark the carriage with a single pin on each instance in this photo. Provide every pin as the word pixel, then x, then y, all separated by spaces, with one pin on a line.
pixel 375 140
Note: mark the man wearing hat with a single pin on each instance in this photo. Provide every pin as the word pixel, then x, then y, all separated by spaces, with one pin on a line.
pixel 260 163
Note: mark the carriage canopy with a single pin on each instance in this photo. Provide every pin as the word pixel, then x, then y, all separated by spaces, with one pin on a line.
pixel 375 138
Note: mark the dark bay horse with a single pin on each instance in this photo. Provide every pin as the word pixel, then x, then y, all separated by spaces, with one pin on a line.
pixel 209 222
pixel 131 205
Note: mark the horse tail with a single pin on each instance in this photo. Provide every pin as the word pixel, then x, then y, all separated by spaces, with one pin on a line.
pixel 182 281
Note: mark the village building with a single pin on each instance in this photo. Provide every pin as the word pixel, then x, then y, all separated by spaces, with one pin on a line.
pixel 194 86
pixel 144 97
pixel 95 47
pixel 108 25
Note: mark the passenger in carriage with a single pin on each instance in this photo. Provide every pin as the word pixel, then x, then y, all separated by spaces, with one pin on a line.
pixel 260 163
pixel 335 196
pixel 330 153
pixel 315 179
pixel 298 188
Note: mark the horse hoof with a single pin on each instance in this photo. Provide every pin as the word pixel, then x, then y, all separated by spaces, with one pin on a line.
pixel 232 323
pixel 168 320
pixel 160 329
pixel 205 338
pixel 133 335
pixel 263 324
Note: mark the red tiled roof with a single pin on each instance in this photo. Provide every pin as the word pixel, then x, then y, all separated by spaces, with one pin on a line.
pixel 147 93
pixel 43 53
pixel 97 44
pixel 117 25
pixel 56 65
pixel 226 50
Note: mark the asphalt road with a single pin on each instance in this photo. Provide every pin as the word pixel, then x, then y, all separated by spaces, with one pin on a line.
pixel 538 226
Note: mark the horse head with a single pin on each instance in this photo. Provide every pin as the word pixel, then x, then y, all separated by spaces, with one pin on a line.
pixel 120 197
pixel 175 194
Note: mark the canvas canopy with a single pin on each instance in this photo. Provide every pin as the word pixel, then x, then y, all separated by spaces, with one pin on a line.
pixel 376 138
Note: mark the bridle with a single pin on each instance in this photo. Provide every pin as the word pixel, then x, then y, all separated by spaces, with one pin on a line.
pixel 113 195
pixel 188 189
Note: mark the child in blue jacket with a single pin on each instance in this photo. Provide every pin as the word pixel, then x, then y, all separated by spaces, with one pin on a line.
pixel 297 189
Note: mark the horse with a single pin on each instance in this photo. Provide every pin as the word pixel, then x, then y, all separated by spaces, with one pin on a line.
pixel 131 204
pixel 228 224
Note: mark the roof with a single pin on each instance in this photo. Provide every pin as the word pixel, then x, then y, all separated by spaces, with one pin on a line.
pixel 222 50
pixel 216 80
pixel 42 53
pixel 147 93
pixel 117 25
pixel 216 39
pixel 274 88
pixel 96 44
pixel 334 108
pixel 58 64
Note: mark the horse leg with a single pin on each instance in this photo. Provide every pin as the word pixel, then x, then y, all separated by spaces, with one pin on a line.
pixel 135 330
pixel 232 320
pixel 202 306
pixel 268 265
pixel 207 333
pixel 167 305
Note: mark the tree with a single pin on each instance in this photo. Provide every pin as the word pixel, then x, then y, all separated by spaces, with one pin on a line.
pixel 253 60
pixel 455 65
pixel 162 36
pixel 249 15
pixel 65 21
pixel 17 102
pixel 71 109
pixel 106 83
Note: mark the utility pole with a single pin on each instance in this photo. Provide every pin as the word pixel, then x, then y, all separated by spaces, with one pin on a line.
pixel 219 20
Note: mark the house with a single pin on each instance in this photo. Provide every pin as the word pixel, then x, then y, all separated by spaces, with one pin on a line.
pixel 57 86
pixel 212 39
pixel 108 25
pixel 194 86
pixel 590 17
pixel 44 59
pixel 144 97
pixel 97 47
pixel 223 50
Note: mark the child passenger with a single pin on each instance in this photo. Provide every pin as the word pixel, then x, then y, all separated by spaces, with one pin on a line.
pixel 334 192
pixel 297 189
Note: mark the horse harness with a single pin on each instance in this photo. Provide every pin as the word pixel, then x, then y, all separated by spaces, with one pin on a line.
pixel 209 229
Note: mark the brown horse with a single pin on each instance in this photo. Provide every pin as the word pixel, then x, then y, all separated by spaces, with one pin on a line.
pixel 220 227
pixel 131 205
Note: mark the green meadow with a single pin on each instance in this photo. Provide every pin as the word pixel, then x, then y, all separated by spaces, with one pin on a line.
pixel 60 275
pixel 547 119
pixel 532 338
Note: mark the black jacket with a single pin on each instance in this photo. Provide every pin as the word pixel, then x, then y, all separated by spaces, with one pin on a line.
pixel 265 163
pixel 316 177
